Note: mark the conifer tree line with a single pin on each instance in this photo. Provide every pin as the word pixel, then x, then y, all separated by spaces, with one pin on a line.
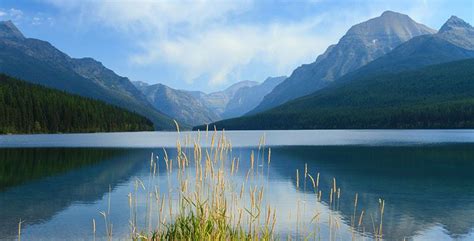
pixel 29 108
pixel 432 97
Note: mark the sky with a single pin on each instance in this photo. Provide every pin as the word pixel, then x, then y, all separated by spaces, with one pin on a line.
pixel 208 44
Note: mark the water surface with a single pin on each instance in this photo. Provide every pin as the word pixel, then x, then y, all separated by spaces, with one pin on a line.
pixel 244 138
pixel 58 183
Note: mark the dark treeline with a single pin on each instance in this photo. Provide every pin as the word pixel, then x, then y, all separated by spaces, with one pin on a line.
pixel 456 114
pixel 29 108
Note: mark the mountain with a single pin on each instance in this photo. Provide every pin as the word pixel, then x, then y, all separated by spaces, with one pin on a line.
pixel 29 108
pixel 10 31
pixel 196 107
pixel 39 62
pixel 218 101
pixel 414 54
pixel 181 105
pixel 248 97
pixel 458 32
pixel 361 44
pixel 437 96
pixel 444 46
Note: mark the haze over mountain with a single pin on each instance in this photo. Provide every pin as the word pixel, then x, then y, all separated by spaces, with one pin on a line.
pixel 218 100
pixel 248 97
pixel 39 62
pixel 361 44
pixel 197 107
pixel 179 104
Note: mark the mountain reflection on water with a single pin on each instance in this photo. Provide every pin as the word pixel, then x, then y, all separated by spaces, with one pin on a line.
pixel 428 189
pixel 423 186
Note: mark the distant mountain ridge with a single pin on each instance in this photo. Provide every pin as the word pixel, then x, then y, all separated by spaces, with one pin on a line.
pixel 361 44
pixel 247 98
pixel 180 104
pixel 197 107
pixel 39 62
pixel 218 100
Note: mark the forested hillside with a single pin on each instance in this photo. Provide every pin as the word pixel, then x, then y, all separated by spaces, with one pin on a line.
pixel 39 62
pixel 29 108
pixel 438 96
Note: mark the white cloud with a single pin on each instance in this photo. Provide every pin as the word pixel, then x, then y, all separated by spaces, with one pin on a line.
pixel 36 21
pixel 198 38
pixel 222 51
pixel 11 14
pixel 166 30
pixel 152 15
pixel 15 14
pixel 205 39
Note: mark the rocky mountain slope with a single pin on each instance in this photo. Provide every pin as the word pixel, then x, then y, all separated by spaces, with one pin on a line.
pixel 361 44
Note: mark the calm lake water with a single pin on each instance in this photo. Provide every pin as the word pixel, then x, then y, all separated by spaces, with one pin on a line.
pixel 57 184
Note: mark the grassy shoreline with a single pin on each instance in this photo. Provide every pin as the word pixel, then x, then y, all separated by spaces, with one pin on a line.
pixel 201 198
pixel 210 193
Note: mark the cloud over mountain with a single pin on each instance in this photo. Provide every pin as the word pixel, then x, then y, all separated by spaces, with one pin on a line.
pixel 210 44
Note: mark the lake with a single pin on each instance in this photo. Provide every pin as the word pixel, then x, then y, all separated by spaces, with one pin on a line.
pixel 57 184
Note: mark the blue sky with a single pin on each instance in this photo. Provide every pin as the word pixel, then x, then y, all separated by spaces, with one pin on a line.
pixel 208 44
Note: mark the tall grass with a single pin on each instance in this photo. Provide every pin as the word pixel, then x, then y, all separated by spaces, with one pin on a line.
pixel 203 200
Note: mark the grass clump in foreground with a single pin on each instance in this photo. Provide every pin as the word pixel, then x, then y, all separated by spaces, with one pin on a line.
pixel 195 227
pixel 210 195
